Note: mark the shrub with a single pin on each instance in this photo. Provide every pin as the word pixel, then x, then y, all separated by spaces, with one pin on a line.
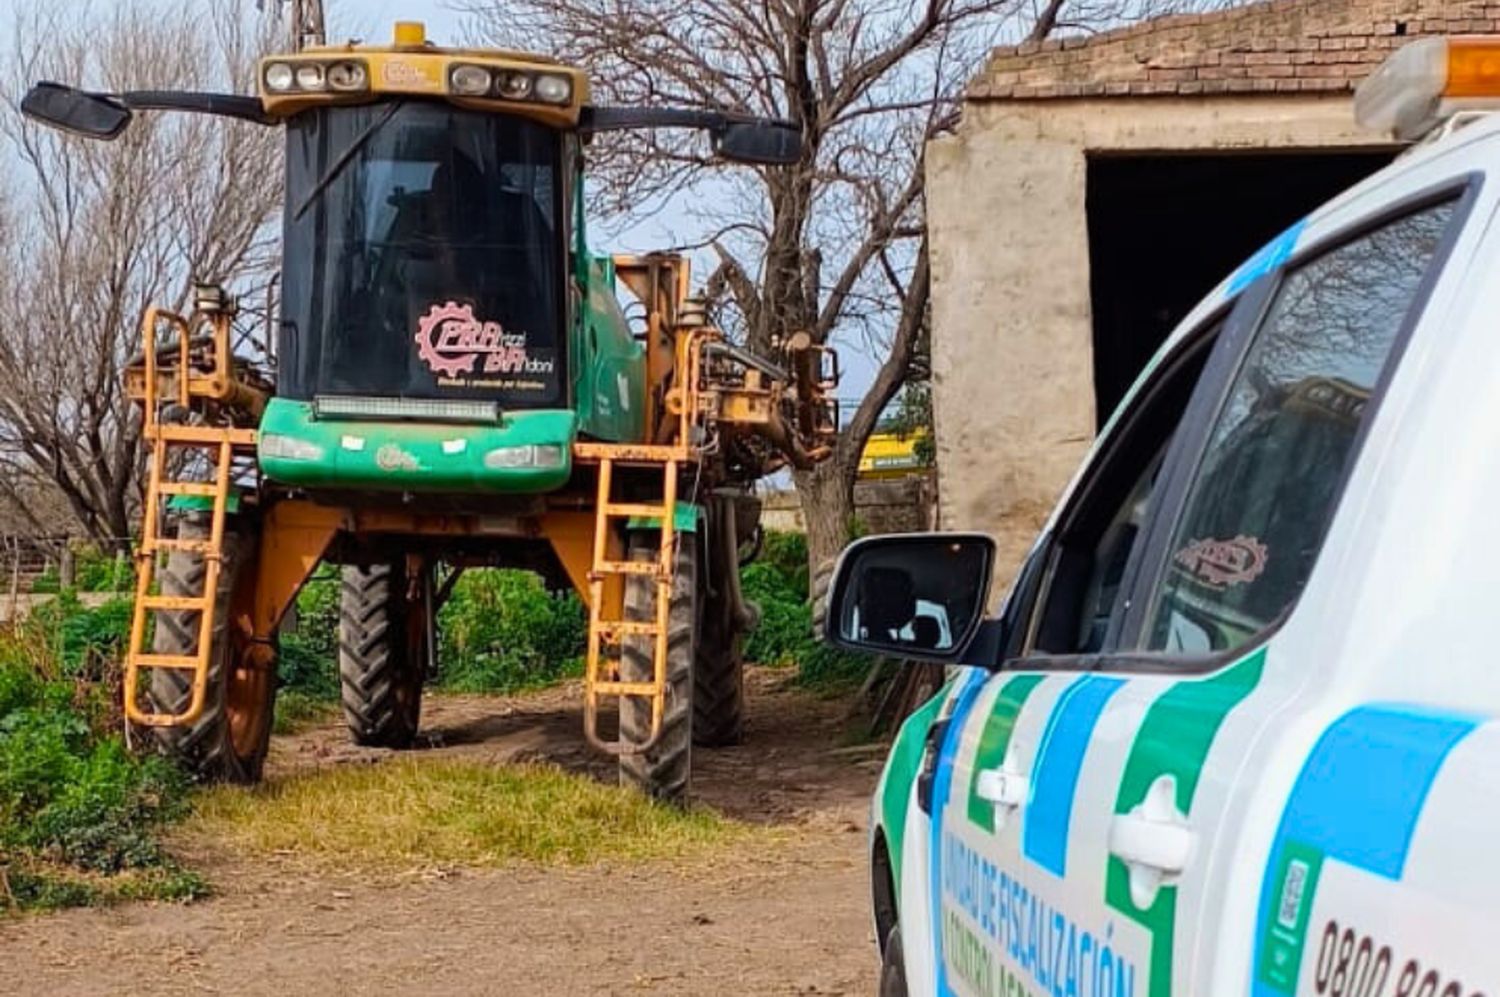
pixel 76 810
pixel 502 631
pixel 785 627
pixel 786 554
pixel 87 643
pixel 778 583
pixel 308 667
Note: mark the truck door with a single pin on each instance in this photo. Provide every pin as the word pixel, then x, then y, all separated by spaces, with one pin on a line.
pixel 1078 810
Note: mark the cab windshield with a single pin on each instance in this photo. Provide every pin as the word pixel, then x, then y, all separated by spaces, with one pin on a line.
pixel 426 262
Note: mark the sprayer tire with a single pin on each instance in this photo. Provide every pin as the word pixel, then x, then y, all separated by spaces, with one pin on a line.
pixel 718 681
pixel 663 773
pixel 229 740
pixel 381 663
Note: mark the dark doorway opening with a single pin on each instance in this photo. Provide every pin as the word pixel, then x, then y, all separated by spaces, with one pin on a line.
pixel 1165 230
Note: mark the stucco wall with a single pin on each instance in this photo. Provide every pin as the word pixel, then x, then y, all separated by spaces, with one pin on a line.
pixel 1012 328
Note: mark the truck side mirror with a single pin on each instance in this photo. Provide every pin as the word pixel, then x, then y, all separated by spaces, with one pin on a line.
pixel 919 595
pixel 759 143
pixel 76 111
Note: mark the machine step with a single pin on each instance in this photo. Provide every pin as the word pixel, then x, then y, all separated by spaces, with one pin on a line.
pixel 642 510
pixel 183 662
pixel 200 489
pixel 203 436
pixel 615 629
pixel 173 543
pixel 611 688
pixel 631 568
pixel 630 454
pixel 194 603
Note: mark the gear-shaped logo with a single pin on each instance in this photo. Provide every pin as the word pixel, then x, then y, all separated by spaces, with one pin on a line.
pixel 433 339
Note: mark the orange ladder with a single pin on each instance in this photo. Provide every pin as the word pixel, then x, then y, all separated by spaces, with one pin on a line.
pixel 220 445
pixel 607 636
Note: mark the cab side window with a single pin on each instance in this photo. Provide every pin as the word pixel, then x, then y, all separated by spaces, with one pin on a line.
pixel 1264 491
pixel 1082 595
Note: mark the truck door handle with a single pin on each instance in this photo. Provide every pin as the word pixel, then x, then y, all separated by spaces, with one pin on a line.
pixel 1002 788
pixel 1005 788
pixel 1153 840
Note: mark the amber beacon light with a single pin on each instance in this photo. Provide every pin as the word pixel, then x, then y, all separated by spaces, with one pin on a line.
pixel 1430 82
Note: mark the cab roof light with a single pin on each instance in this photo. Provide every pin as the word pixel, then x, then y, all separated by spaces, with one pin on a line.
pixel 293 76
pixel 1428 81
pixel 474 80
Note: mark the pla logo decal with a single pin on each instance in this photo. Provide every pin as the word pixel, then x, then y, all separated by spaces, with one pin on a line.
pixel 392 458
pixel 450 341
pixel 1221 564
pixel 404 74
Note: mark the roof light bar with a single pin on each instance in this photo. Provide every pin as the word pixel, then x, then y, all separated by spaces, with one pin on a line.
pixel 1428 81
pixel 413 409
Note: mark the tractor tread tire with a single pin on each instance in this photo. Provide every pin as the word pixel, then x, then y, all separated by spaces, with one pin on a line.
pixel 719 663
pixel 665 772
pixel 719 687
pixel 204 748
pixel 373 671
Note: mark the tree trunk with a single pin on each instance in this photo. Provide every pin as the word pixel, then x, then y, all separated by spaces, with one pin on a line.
pixel 827 496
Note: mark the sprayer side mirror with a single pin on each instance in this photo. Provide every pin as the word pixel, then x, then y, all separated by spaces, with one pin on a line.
pixel 76 111
pixel 759 143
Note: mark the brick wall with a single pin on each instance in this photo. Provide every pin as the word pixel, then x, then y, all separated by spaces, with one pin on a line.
pixel 1280 46
pixel 895 505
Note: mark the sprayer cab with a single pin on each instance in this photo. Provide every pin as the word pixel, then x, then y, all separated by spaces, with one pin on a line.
pixel 426 228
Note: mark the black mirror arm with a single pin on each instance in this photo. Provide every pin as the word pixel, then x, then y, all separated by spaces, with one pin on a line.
pixel 986 648
pixel 225 105
pixel 616 119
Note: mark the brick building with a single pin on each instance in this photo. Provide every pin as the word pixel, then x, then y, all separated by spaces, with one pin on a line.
pixel 1098 187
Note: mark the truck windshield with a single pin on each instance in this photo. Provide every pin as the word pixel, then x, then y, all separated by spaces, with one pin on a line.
pixel 429 264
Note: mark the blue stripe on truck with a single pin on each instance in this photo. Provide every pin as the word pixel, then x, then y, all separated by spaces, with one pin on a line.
pixel 1044 835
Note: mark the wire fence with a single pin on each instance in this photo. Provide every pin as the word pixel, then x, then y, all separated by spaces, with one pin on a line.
pixel 39 565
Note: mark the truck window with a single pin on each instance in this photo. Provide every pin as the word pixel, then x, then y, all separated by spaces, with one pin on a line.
pixel 1265 489
pixel 1081 598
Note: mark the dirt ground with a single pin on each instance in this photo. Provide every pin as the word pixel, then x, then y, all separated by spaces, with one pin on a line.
pixel 791 919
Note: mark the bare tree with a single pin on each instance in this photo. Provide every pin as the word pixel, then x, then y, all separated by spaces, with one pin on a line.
pixel 836 245
pixel 91 233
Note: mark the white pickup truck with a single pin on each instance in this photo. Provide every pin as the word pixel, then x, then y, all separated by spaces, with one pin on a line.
pixel 1234 730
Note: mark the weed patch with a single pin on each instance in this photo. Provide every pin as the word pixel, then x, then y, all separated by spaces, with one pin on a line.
pixel 409 812
pixel 79 816
pixel 502 631
pixel 297 710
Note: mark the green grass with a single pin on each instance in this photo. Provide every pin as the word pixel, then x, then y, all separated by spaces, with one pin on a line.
pixel 423 812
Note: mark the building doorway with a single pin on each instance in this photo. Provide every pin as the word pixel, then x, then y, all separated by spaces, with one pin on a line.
pixel 1165 229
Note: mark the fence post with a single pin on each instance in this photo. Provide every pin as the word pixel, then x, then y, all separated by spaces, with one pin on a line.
pixel 66 566
pixel 15 577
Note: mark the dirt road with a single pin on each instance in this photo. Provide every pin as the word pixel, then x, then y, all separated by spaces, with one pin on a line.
pixel 792 919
